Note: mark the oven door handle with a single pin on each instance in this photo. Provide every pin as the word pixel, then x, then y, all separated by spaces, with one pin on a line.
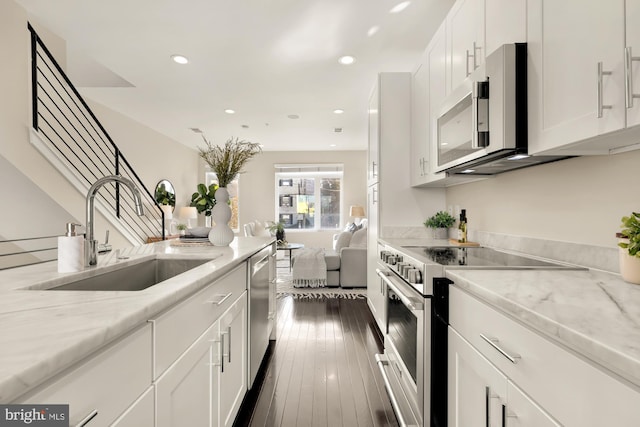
pixel 413 303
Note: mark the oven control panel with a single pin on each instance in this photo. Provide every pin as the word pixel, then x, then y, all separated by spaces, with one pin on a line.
pixel 404 266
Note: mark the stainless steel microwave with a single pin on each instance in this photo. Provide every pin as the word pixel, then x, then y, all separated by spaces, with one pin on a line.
pixel 485 117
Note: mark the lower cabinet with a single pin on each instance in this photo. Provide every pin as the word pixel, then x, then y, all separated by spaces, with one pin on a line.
pixel 140 413
pixel 206 385
pixel 480 395
pixel 502 373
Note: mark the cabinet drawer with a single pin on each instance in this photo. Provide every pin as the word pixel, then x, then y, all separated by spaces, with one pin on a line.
pixel 572 389
pixel 175 330
pixel 105 384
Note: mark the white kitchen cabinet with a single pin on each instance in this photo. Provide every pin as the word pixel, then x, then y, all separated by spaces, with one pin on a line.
pixel 140 414
pixel 233 363
pixel 184 391
pixel 116 376
pixel 207 383
pixel 375 292
pixel 505 22
pixel 419 152
pixel 465 39
pixel 632 48
pixel 373 152
pixel 548 384
pixel 480 395
pixel 389 199
pixel 576 77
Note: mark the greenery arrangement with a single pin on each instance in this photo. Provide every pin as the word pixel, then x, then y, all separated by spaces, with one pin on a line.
pixel 631 231
pixel 227 162
pixel 164 197
pixel 441 219
pixel 204 199
pixel 278 229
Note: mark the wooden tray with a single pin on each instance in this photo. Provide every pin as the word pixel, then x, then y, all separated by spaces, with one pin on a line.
pixel 467 244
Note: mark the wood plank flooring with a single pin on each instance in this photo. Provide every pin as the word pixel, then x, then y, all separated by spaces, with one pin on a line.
pixel 322 370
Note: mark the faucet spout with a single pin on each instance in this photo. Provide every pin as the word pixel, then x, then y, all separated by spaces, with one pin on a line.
pixel 91 245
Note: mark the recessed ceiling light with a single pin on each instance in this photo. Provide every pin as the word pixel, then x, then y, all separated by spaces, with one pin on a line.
pixel 293 116
pixel 245 126
pixel 468 171
pixel 373 30
pixel 337 130
pixel 338 111
pixel 400 7
pixel 230 111
pixel 346 60
pixel 332 145
pixel 180 59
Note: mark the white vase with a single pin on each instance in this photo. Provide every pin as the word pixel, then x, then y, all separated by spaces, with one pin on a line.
pixel 629 265
pixel 221 234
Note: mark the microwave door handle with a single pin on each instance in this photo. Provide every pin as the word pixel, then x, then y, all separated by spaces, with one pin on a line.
pixel 474 116
pixel 480 114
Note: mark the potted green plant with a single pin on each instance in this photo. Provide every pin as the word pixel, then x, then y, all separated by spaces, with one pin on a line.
pixel 182 229
pixel 440 222
pixel 629 243
pixel 204 199
pixel 278 229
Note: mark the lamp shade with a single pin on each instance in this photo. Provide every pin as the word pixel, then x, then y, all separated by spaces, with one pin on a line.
pixel 356 211
pixel 168 211
pixel 188 212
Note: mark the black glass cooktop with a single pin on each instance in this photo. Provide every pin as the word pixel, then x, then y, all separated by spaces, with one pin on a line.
pixel 477 257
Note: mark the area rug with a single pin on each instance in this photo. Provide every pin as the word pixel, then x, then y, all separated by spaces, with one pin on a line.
pixel 285 288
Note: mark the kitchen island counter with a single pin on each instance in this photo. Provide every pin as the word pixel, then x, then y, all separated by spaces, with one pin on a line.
pixel 43 331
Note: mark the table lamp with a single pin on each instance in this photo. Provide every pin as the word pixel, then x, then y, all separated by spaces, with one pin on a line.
pixel 357 212
pixel 188 213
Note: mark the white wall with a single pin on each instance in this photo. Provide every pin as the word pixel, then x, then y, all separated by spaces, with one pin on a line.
pixel 578 200
pixel 257 188
pixel 151 154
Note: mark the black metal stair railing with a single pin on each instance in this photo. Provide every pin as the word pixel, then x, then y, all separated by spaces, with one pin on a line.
pixel 67 125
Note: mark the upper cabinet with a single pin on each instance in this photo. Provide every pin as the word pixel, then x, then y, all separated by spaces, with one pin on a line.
pixel 580 80
pixel 373 156
pixel 419 124
pixel 465 31
pixel 504 22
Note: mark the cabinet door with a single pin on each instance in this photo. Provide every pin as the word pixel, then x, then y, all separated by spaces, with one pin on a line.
pixel 465 27
pixel 477 390
pixel 374 295
pixel 140 414
pixel 184 390
pixel 437 60
pixel 419 123
pixel 632 16
pixel 373 156
pixel 524 412
pixel 233 365
pixel 505 22
pixel 566 42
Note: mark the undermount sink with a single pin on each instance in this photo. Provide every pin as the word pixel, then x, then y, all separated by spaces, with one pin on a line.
pixel 133 277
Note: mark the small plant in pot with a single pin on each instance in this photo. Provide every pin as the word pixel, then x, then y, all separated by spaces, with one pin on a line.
pixel 440 223
pixel 278 229
pixel 629 243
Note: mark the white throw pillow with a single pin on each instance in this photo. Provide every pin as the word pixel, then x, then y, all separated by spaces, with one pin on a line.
pixel 343 241
pixel 359 239
pixel 259 230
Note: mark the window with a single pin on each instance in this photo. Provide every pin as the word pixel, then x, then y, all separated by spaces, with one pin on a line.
pixel 211 178
pixel 309 197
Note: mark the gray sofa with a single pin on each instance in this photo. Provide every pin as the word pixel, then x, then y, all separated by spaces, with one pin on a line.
pixel 347 261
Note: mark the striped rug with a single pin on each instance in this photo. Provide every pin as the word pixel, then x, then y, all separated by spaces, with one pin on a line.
pixel 285 288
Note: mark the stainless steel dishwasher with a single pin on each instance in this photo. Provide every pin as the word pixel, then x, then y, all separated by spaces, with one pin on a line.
pixel 260 324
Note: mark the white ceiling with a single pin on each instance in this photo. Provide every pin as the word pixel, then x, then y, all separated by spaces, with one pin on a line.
pixel 266 59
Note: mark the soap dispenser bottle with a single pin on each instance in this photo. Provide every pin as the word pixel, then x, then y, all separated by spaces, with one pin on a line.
pixel 462 227
pixel 71 250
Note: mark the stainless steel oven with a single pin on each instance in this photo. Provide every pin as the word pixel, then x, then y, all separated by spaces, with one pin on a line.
pixel 414 363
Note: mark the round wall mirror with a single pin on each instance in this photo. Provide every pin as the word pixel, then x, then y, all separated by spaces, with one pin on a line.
pixel 165 194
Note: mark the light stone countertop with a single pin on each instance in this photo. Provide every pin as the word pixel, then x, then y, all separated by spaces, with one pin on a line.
pixel 592 312
pixel 44 332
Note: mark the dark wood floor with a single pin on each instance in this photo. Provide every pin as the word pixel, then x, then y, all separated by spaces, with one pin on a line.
pixel 322 370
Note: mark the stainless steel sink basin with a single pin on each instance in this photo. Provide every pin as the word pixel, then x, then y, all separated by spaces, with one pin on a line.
pixel 133 277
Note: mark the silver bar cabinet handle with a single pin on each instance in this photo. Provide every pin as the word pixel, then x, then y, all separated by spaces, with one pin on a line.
pixel 222 351
pixel 229 344
pixel 220 301
pixel 628 74
pixel 88 418
pixel 467 72
pixel 601 106
pixel 493 342
pixel 475 57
